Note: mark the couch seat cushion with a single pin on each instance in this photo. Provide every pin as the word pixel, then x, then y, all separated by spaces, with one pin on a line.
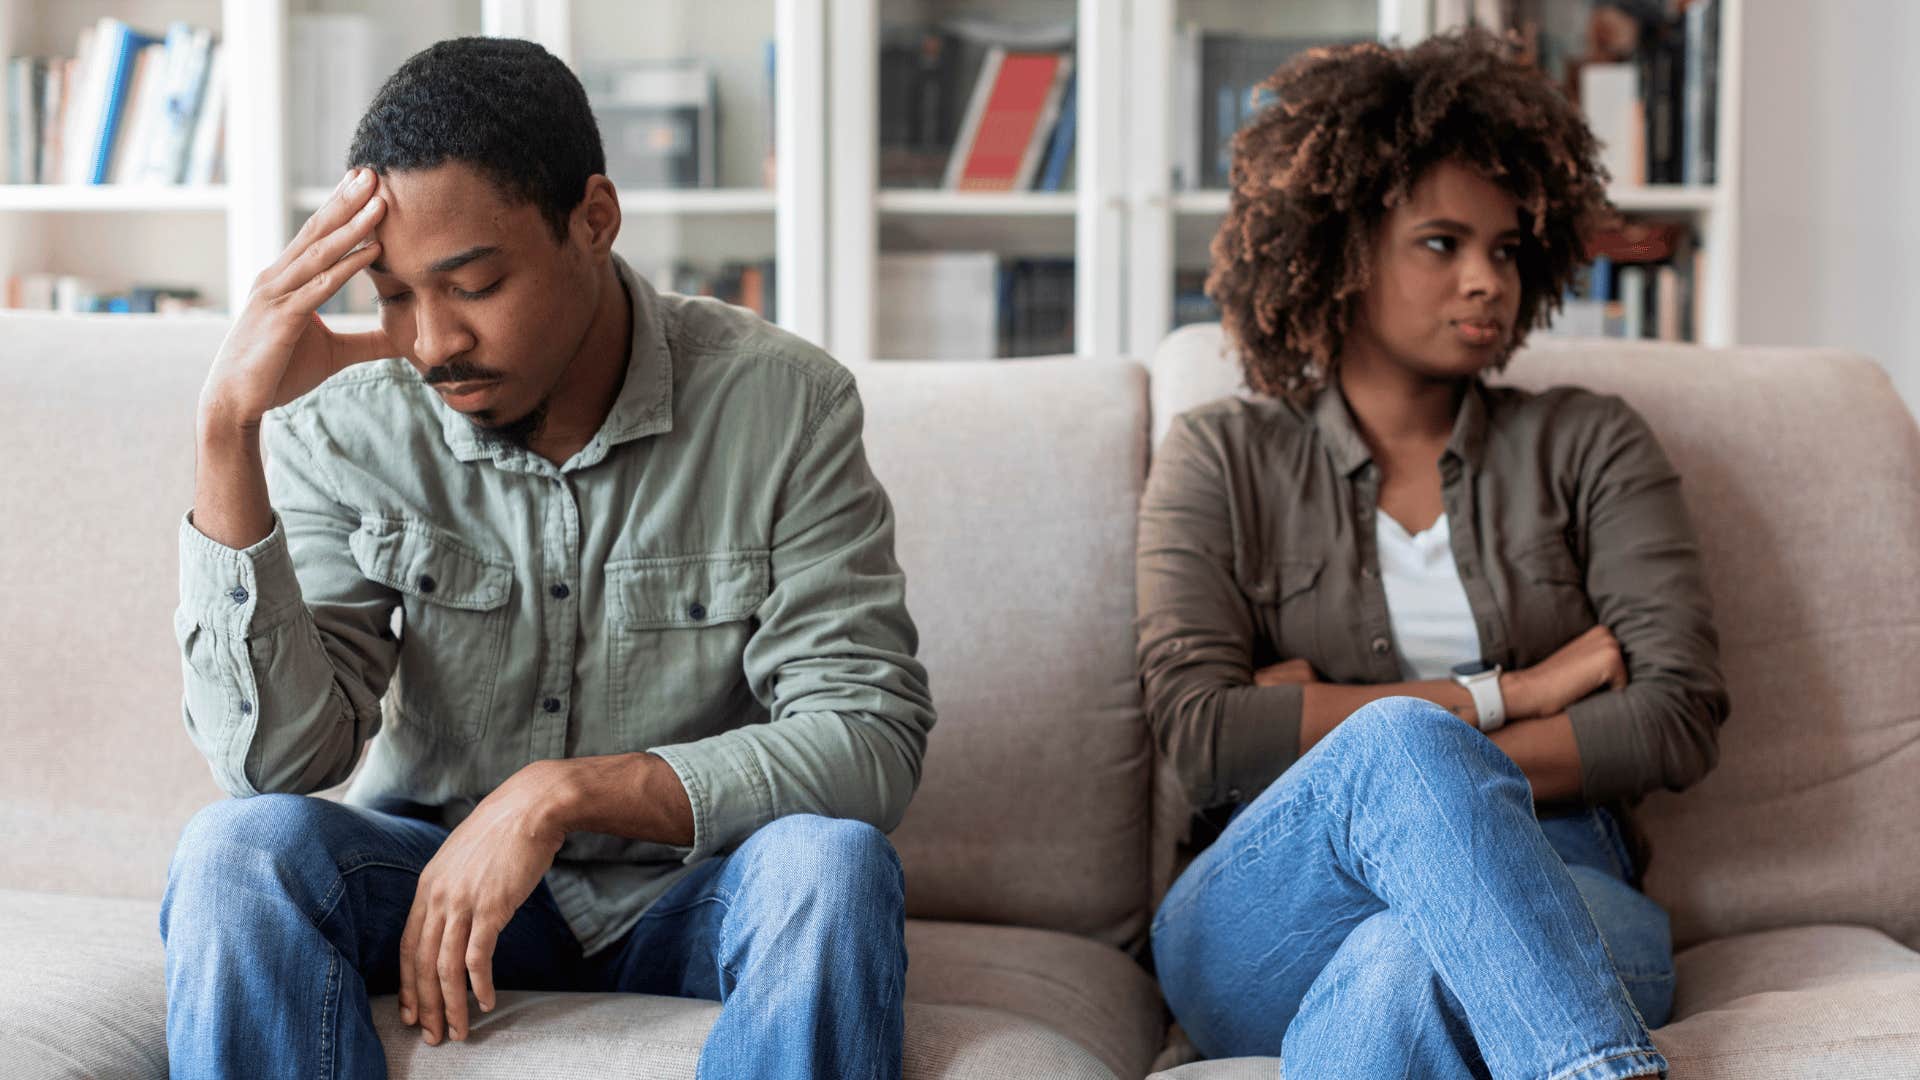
pixel 88 999
pixel 1804 1001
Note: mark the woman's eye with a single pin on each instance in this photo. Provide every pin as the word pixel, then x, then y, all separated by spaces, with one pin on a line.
pixel 477 294
pixel 387 301
pixel 1508 253
pixel 1441 244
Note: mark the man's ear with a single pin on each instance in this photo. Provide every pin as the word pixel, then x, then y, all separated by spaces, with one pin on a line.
pixel 596 221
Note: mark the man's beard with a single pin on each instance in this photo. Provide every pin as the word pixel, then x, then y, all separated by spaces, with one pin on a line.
pixel 518 434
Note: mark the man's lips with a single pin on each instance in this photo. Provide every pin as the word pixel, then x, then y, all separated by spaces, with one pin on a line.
pixel 462 390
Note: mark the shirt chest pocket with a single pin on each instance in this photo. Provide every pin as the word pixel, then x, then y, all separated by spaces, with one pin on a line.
pixel 454 629
pixel 1285 601
pixel 677 629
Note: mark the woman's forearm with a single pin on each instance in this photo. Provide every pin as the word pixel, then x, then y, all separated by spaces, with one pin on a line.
pixel 1324 705
pixel 1543 748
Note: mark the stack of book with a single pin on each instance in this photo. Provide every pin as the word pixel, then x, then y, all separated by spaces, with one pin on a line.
pixel 1643 284
pixel 127 108
pixel 972 305
pixel 76 295
pixel 978 108
pixel 1655 114
pixel 748 284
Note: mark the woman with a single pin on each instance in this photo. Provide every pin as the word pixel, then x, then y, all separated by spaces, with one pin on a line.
pixel 1414 640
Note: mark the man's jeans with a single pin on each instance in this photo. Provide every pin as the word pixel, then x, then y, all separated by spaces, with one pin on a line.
pixel 283 913
pixel 1390 906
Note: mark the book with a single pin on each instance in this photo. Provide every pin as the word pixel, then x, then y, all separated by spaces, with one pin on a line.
pixel 1225 83
pixel 976 113
pixel 1001 148
pixel 53 118
pixel 143 107
pixel 1044 129
pixel 25 90
pixel 937 305
pixel 119 57
pixel 1610 97
pixel 1699 121
pixel 203 153
pixel 1061 148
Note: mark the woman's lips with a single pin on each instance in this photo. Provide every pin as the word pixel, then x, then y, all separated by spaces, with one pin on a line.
pixel 1477 333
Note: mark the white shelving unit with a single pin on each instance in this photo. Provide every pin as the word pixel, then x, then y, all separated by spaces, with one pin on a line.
pixel 260 204
pixel 824 218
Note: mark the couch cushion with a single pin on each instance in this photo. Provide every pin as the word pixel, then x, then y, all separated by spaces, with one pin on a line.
pixel 1015 486
pixel 1799 467
pixel 1802 1002
pixel 87 998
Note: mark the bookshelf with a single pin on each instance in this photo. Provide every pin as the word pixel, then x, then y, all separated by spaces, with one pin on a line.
pixel 801 78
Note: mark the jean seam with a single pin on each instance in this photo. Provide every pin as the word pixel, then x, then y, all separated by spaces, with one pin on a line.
pixel 1309 799
pixel 1578 1072
pixel 329 1015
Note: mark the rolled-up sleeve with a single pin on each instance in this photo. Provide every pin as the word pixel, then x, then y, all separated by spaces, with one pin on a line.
pixel 284 667
pixel 832 659
pixel 1647 585
pixel 1225 737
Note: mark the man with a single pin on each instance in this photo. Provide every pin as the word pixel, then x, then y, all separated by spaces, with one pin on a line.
pixel 654 695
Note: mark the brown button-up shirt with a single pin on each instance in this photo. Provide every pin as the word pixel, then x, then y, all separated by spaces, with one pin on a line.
pixel 1257 545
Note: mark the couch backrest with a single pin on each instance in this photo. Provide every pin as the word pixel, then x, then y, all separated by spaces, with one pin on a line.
pixel 1014 485
pixel 1801 469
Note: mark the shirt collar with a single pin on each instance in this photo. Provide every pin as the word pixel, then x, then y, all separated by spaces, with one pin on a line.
pixel 1350 451
pixel 645 404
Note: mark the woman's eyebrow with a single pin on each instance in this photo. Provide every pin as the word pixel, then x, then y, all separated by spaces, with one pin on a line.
pixel 1450 225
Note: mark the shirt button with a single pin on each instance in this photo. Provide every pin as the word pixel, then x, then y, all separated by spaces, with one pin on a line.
pixel 558 592
pixel 1369 573
pixel 238 595
pixel 1466 573
pixel 552 704
pixel 246 708
pixel 696 610
pixel 1233 795
pixel 426 583
pixel 1381 646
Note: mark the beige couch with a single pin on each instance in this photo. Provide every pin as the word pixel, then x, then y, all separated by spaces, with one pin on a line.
pixel 1036 845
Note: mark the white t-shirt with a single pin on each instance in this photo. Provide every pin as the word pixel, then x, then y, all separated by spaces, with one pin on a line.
pixel 1432 621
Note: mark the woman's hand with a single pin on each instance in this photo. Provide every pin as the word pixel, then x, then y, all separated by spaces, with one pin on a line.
pixel 1583 666
pixel 1295 672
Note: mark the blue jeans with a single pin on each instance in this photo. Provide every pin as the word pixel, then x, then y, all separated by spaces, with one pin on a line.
pixel 283 913
pixel 1390 906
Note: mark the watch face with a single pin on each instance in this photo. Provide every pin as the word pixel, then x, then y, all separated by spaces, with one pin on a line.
pixel 1472 668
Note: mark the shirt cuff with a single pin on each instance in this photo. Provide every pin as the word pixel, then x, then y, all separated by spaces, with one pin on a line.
pixel 730 797
pixel 240 591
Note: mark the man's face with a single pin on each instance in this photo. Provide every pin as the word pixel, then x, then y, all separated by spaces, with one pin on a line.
pixel 478 296
pixel 1446 275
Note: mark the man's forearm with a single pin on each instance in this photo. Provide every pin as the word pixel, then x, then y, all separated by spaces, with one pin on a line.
pixel 230 502
pixel 637 796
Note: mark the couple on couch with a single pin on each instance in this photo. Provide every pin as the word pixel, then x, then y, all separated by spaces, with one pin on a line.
pixel 1413 643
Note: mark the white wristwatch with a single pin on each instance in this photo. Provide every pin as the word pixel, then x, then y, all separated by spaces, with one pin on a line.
pixel 1482 680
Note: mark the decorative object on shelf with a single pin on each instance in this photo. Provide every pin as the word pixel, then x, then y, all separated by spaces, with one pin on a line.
pixel 659 121
pixel 80 296
pixel 128 108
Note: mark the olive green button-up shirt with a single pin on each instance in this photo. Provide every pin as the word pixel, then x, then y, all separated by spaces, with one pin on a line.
pixel 1256 545
pixel 711 579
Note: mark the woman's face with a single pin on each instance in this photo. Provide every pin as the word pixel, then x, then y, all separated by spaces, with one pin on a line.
pixel 1446 277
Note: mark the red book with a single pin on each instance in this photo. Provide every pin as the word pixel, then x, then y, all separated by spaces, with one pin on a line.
pixel 1003 120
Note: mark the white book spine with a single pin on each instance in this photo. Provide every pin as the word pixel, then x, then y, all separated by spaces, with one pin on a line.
pixel 976 111
pixel 1036 154
pixel 204 157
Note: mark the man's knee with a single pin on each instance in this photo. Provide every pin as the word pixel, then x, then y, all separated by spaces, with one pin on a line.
pixel 830 857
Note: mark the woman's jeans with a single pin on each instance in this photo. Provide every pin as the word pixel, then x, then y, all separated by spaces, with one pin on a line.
pixel 1391 907
pixel 283 913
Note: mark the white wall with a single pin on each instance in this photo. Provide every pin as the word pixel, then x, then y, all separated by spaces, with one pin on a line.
pixel 1830 226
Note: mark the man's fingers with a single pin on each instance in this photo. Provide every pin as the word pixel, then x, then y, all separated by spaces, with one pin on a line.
pixel 409 938
pixel 329 281
pixel 480 945
pixel 426 980
pixel 339 208
pixel 327 249
pixel 451 967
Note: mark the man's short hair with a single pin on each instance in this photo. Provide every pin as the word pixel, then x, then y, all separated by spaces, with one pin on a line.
pixel 508 108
